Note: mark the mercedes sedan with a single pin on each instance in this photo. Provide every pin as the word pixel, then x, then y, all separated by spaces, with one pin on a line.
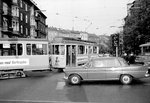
pixel 106 68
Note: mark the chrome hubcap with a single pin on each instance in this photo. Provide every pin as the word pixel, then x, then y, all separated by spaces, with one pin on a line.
pixel 75 80
pixel 126 79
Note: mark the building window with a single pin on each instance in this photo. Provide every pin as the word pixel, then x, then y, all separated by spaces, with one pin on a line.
pixel 21 3
pixel 15 1
pixel 15 25
pixel 26 19
pixel 5 8
pixel 21 16
pixel 15 11
pixel 21 29
pixel 26 7
pixel 26 31
pixel 5 23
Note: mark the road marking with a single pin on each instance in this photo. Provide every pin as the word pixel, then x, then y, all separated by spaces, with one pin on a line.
pixel 60 85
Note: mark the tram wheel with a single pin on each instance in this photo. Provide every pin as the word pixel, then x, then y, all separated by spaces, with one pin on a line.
pixel 19 74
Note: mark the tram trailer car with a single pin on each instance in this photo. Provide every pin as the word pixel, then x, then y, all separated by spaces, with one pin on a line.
pixel 71 52
pixel 18 56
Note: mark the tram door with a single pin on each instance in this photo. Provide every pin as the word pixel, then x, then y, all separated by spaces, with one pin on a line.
pixel 71 55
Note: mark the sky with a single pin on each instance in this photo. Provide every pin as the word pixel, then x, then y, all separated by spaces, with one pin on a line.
pixel 101 17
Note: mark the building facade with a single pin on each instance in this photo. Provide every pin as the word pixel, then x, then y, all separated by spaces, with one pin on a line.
pixel 58 32
pixel 21 19
pixel 133 7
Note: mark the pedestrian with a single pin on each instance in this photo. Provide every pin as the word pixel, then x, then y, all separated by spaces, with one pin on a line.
pixel 125 56
pixel 131 58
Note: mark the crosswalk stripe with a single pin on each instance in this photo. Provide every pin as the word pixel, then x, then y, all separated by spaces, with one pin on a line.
pixel 60 85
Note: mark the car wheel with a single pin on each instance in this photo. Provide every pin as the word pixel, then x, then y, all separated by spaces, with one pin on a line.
pixel 75 79
pixel 126 79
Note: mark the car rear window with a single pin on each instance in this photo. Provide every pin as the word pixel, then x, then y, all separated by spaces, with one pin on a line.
pixel 123 62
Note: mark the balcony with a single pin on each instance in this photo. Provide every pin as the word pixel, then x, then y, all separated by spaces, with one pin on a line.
pixel 37 18
pixel 7 13
pixel 16 33
pixel 7 29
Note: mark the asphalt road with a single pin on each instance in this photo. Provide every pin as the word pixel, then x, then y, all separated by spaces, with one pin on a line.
pixel 51 88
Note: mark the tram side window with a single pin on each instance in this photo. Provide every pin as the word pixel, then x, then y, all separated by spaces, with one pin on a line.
pixel 28 48
pixel 34 51
pixel 94 50
pixel 86 51
pixel 53 47
pixel 90 49
pixel 1 49
pixel 10 49
pixel 56 49
pixel 50 49
pixel 20 49
pixel 62 49
pixel 44 49
pixel 39 49
pixel 81 49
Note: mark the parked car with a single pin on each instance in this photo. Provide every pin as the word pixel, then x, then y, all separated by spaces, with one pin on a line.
pixel 106 68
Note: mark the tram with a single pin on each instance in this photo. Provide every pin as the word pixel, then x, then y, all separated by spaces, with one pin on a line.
pixel 145 53
pixel 65 51
pixel 20 55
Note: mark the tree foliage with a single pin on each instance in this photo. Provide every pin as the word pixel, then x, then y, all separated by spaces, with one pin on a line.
pixel 137 27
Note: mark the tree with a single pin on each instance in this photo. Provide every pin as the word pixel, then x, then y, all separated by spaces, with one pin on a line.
pixel 137 26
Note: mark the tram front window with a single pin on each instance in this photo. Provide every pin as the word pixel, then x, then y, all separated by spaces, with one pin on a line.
pixel 59 49
pixel 81 49
pixel 94 50
pixel 56 49
pixel 62 49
